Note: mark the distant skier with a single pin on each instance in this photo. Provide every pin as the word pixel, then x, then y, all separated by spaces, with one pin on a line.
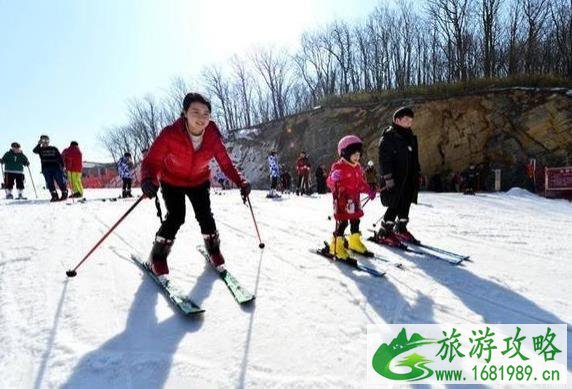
pixel 286 179
pixel 73 162
pixel 126 170
pixel 303 172
pixel 14 161
pixel 179 160
pixel 371 175
pixel 470 180
pixel 274 169
pixel 400 170
pixel 321 177
pixel 52 167
pixel 346 181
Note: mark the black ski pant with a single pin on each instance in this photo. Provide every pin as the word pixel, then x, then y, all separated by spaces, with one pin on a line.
pixel 127 184
pixel 174 197
pixel 274 182
pixel 18 178
pixel 399 210
pixel 303 185
pixel 57 175
pixel 342 225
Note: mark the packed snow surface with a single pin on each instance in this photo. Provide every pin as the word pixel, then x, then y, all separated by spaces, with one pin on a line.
pixel 109 327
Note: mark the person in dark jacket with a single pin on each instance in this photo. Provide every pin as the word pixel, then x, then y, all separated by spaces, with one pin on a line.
pixel 14 161
pixel 286 179
pixel 52 167
pixel 470 180
pixel 178 161
pixel 321 177
pixel 400 170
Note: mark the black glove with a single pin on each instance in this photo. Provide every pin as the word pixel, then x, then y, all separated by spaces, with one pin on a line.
pixel 148 188
pixel 244 189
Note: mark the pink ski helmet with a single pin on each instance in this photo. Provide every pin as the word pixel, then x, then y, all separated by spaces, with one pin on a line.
pixel 348 145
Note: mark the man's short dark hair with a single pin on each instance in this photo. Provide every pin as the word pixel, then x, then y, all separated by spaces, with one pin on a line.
pixel 74 143
pixel 403 112
pixel 194 98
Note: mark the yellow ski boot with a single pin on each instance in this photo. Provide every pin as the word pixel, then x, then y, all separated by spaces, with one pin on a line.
pixel 355 243
pixel 338 249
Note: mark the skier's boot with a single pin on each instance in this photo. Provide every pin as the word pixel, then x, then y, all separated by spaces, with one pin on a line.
pixel 386 236
pixel 123 194
pixel 338 248
pixel 9 195
pixel 55 196
pixel 20 195
pixel 64 195
pixel 212 244
pixel 355 243
pixel 157 261
pixel 402 233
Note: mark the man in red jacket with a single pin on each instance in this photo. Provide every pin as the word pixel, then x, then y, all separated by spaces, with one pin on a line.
pixel 178 161
pixel 73 163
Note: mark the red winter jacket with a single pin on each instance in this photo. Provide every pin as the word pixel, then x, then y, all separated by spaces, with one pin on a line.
pixel 346 191
pixel 302 166
pixel 72 159
pixel 172 159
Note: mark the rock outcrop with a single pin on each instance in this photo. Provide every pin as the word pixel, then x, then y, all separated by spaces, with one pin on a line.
pixel 495 128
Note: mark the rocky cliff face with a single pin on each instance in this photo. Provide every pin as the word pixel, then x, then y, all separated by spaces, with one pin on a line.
pixel 496 129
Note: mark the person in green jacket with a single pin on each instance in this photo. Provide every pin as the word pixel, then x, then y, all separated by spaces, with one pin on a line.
pixel 14 161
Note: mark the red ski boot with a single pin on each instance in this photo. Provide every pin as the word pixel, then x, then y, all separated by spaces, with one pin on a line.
pixel 212 244
pixel 158 258
pixel 403 234
pixel 386 236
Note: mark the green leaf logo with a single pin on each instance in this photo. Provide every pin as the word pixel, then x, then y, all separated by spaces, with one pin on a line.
pixel 417 364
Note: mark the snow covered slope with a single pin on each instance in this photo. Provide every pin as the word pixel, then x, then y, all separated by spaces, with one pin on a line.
pixel 109 326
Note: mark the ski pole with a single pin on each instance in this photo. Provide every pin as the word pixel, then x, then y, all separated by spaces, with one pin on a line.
pixel 3 176
pixel 73 272
pixel 32 179
pixel 261 245
pixel 378 220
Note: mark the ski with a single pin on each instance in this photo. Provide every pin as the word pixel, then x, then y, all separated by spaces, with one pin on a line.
pixel 404 247
pixel 240 294
pixel 370 254
pixel 184 304
pixel 352 262
pixel 442 251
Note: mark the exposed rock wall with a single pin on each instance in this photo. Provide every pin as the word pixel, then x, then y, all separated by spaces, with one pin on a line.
pixel 498 129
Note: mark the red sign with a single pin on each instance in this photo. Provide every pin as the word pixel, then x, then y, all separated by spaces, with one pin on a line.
pixel 559 178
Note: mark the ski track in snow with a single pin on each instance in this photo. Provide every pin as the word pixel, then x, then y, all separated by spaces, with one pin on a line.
pixel 111 327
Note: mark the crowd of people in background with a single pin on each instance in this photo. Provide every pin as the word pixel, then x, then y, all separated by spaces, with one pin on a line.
pixel 63 171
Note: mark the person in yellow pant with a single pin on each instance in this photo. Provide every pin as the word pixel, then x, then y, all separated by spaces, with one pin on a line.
pixel 74 178
pixel 73 162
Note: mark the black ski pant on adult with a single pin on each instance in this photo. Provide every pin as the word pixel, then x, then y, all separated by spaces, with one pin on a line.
pixel 127 182
pixel 174 197
pixel 273 182
pixel 400 209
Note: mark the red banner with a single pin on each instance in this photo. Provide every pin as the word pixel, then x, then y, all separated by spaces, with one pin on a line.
pixel 558 178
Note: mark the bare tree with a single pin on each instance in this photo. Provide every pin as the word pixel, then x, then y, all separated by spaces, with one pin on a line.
pixel 272 65
pixel 452 17
pixel 489 15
